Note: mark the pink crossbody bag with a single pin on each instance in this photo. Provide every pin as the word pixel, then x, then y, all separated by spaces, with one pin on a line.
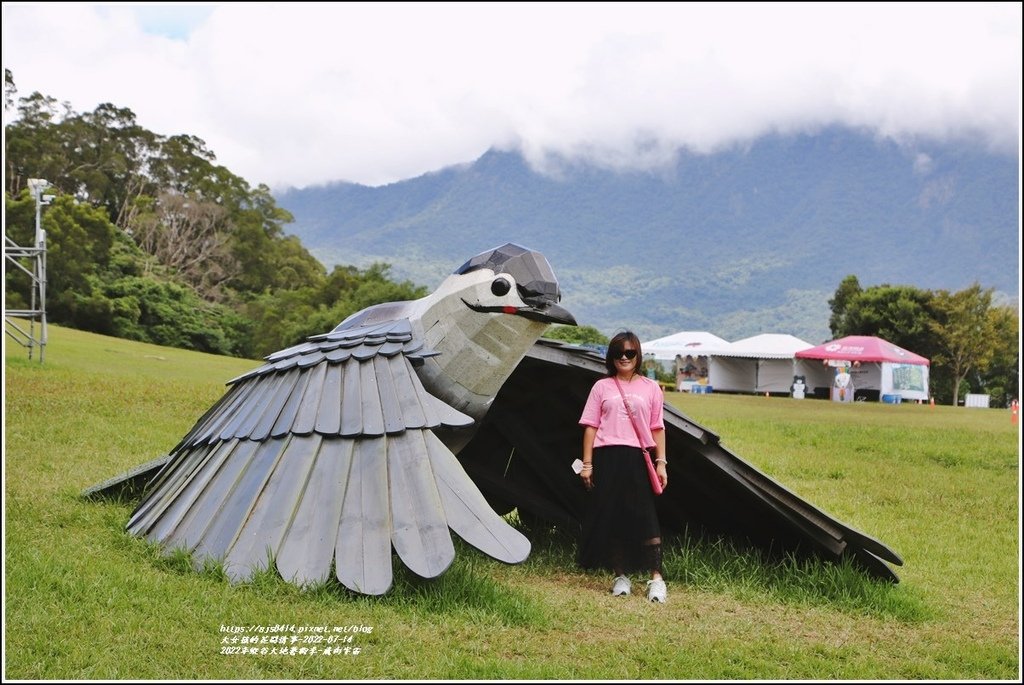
pixel 651 471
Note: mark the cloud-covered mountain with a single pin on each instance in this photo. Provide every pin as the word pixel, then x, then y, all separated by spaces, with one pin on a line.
pixel 745 241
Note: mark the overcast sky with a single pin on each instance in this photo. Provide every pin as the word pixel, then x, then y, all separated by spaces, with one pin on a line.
pixel 300 94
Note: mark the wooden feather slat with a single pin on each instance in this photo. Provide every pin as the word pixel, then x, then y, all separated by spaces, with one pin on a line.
pixel 328 417
pixel 204 495
pixel 402 373
pixel 352 406
pixel 363 545
pixel 390 405
pixel 307 547
pixel 419 529
pixel 237 504
pixel 275 406
pixel 373 415
pixel 261 535
pixel 468 513
pixel 305 417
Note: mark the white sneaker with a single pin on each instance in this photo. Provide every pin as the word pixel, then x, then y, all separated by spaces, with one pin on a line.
pixel 656 591
pixel 622 586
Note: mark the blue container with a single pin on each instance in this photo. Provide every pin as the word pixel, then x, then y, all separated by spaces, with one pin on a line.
pixel 892 399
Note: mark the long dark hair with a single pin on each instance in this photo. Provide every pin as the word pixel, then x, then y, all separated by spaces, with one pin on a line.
pixel 615 347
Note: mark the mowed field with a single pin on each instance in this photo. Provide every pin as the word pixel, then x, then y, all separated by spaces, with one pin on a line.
pixel 86 601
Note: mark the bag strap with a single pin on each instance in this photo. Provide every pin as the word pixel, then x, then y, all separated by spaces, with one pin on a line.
pixel 632 418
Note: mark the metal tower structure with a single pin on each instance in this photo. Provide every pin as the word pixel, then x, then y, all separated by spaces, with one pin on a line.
pixel 32 261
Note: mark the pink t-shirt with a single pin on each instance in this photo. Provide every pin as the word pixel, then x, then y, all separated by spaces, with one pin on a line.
pixel 606 412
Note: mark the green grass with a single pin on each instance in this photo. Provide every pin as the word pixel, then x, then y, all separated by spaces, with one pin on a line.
pixel 84 600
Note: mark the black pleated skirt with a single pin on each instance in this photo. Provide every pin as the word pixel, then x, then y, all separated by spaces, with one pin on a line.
pixel 619 515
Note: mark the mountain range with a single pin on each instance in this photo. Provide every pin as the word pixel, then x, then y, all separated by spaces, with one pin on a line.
pixel 747 240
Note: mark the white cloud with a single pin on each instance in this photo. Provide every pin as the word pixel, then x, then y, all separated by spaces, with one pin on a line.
pixel 308 93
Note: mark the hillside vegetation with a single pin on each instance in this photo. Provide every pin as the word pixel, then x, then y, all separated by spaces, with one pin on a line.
pixel 751 239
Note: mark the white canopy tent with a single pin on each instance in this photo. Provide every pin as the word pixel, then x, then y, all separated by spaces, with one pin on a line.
pixel 695 345
pixel 762 363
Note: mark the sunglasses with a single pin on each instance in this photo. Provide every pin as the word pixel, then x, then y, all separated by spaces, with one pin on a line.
pixel 628 354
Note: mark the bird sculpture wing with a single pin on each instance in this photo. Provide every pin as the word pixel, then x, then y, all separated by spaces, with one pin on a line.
pixel 521 457
pixel 326 455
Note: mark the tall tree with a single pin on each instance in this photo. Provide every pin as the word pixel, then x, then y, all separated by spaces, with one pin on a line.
pixel 189 236
pixel 840 302
pixel 900 314
pixel 10 90
pixel 966 333
pixel 580 335
pixel 1001 379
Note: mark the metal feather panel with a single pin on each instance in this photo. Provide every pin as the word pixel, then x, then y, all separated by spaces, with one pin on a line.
pixel 261 535
pixel 307 547
pixel 305 417
pixel 390 404
pixel 208 416
pixel 468 513
pixel 252 404
pixel 267 403
pixel 352 407
pixel 419 529
pixel 296 399
pixel 202 496
pixel 328 416
pixel 373 414
pixel 408 399
pixel 168 484
pixel 237 504
pixel 276 405
pixel 215 422
pixel 363 548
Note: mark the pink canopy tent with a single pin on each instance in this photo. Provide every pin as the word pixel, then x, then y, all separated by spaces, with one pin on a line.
pixel 862 348
pixel 877 365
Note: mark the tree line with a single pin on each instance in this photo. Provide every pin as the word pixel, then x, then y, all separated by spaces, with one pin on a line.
pixel 972 343
pixel 148 238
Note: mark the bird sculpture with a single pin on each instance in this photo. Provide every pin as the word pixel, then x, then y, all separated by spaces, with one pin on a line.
pixel 411 419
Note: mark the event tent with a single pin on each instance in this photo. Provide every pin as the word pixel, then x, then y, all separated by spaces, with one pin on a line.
pixel 762 363
pixel 877 365
pixel 694 344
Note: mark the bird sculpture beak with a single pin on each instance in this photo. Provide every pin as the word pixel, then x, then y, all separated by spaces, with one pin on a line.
pixel 550 313
pixel 542 310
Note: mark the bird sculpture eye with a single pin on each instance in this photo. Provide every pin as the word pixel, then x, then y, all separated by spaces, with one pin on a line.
pixel 500 286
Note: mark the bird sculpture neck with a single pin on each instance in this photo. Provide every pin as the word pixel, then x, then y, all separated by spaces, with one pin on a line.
pixel 478 352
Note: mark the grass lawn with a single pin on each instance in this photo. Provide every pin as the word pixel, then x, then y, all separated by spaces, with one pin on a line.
pixel 84 600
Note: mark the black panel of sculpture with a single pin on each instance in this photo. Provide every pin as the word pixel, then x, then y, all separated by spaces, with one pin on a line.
pixel 413 419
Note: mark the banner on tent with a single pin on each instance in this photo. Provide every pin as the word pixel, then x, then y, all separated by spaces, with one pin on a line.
pixel 910 381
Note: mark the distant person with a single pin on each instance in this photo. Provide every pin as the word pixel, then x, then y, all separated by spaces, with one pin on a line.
pixel 843 391
pixel 621 532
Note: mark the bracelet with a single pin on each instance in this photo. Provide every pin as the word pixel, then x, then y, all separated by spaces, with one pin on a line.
pixel 587 467
pixel 661 461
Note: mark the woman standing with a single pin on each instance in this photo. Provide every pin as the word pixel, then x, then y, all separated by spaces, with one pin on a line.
pixel 620 524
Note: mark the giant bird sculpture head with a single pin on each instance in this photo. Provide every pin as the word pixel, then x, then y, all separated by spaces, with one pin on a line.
pixel 481 320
